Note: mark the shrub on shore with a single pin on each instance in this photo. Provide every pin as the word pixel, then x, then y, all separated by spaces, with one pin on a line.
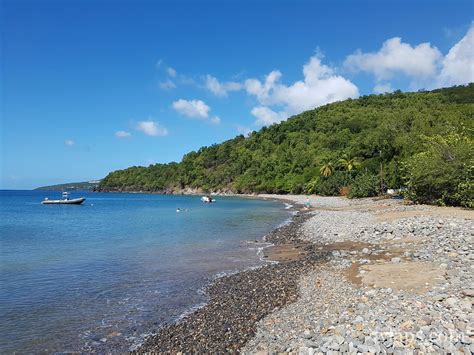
pixel 444 172
pixel 330 185
pixel 364 185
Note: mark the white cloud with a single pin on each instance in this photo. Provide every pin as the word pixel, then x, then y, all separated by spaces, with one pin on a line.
pixel 167 85
pixel 263 91
pixel 171 72
pixel 192 108
pixel 152 128
pixel 424 65
pixel 458 64
pixel 195 109
pixel 69 142
pixel 243 130
pixel 221 88
pixel 215 120
pixel 396 57
pixel 383 88
pixel 122 134
pixel 266 117
pixel 320 86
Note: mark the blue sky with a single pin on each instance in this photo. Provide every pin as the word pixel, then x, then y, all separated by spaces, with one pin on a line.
pixel 93 86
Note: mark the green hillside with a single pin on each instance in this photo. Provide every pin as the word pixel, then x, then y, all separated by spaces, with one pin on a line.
pixel 422 141
pixel 72 186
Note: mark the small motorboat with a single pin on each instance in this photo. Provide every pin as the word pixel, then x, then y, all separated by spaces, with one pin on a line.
pixel 207 199
pixel 65 201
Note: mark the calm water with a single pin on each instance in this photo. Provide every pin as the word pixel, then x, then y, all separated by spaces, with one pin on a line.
pixel 101 275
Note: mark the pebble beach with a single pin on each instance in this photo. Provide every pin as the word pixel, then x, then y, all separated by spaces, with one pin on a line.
pixel 346 276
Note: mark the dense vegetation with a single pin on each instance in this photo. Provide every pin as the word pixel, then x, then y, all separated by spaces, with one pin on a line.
pixel 421 141
pixel 72 186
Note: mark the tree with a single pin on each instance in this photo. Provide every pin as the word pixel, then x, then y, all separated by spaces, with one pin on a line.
pixel 444 172
pixel 327 169
pixel 349 164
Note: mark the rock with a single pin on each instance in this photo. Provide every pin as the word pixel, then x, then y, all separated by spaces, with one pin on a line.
pixel 395 260
pixel 451 301
pixel 465 305
pixel 339 339
pixel 468 292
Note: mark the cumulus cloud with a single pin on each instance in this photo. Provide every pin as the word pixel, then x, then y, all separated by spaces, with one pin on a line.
pixel 69 142
pixel 396 57
pixel 221 88
pixel 151 128
pixel 195 109
pixel 266 116
pixel 320 86
pixel 458 64
pixel 167 84
pixel 122 134
pixel 263 90
pixel 192 108
pixel 424 65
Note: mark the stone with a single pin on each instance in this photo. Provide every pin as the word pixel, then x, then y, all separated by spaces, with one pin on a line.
pixel 468 292
pixel 451 301
pixel 395 260
pixel 465 305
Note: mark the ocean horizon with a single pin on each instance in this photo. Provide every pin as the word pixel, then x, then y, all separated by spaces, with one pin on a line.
pixel 102 275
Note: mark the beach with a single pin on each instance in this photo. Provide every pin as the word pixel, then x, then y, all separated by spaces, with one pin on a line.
pixel 357 276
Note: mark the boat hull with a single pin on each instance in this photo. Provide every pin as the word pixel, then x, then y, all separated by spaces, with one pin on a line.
pixel 75 201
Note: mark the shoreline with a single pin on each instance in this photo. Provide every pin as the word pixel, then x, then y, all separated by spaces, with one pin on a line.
pixel 236 302
pixel 259 310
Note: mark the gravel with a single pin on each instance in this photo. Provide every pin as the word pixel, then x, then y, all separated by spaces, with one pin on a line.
pixel 334 315
pixel 238 302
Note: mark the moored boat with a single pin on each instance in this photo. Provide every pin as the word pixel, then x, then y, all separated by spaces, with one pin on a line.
pixel 207 199
pixel 65 201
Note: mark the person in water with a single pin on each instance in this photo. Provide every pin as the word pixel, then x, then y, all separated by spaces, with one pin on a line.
pixel 307 204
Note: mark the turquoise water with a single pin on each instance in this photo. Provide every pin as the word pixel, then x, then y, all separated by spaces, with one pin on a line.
pixel 101 275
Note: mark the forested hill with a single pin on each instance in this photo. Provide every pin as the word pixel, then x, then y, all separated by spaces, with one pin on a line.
pixel 72 186
pixel 343 144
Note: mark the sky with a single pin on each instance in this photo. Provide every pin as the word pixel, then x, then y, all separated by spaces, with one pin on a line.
pixel 88 87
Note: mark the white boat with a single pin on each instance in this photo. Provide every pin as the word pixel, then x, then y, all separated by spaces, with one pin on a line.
pixel 65 201
pixel 207 199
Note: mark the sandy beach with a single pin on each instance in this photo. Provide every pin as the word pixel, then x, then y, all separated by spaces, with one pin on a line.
pixel 351 276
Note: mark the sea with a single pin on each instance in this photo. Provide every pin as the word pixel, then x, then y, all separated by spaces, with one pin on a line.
pixel 103 275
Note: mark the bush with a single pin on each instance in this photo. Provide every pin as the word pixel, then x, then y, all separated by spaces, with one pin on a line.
pixel 364 185
pixel 444 172
pixel 331 185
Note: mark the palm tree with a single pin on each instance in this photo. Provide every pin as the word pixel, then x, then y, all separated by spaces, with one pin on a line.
pixel 349 163
pixel 326 169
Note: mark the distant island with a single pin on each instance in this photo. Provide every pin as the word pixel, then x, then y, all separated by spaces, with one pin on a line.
pixel 418 143
pixel 73 186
